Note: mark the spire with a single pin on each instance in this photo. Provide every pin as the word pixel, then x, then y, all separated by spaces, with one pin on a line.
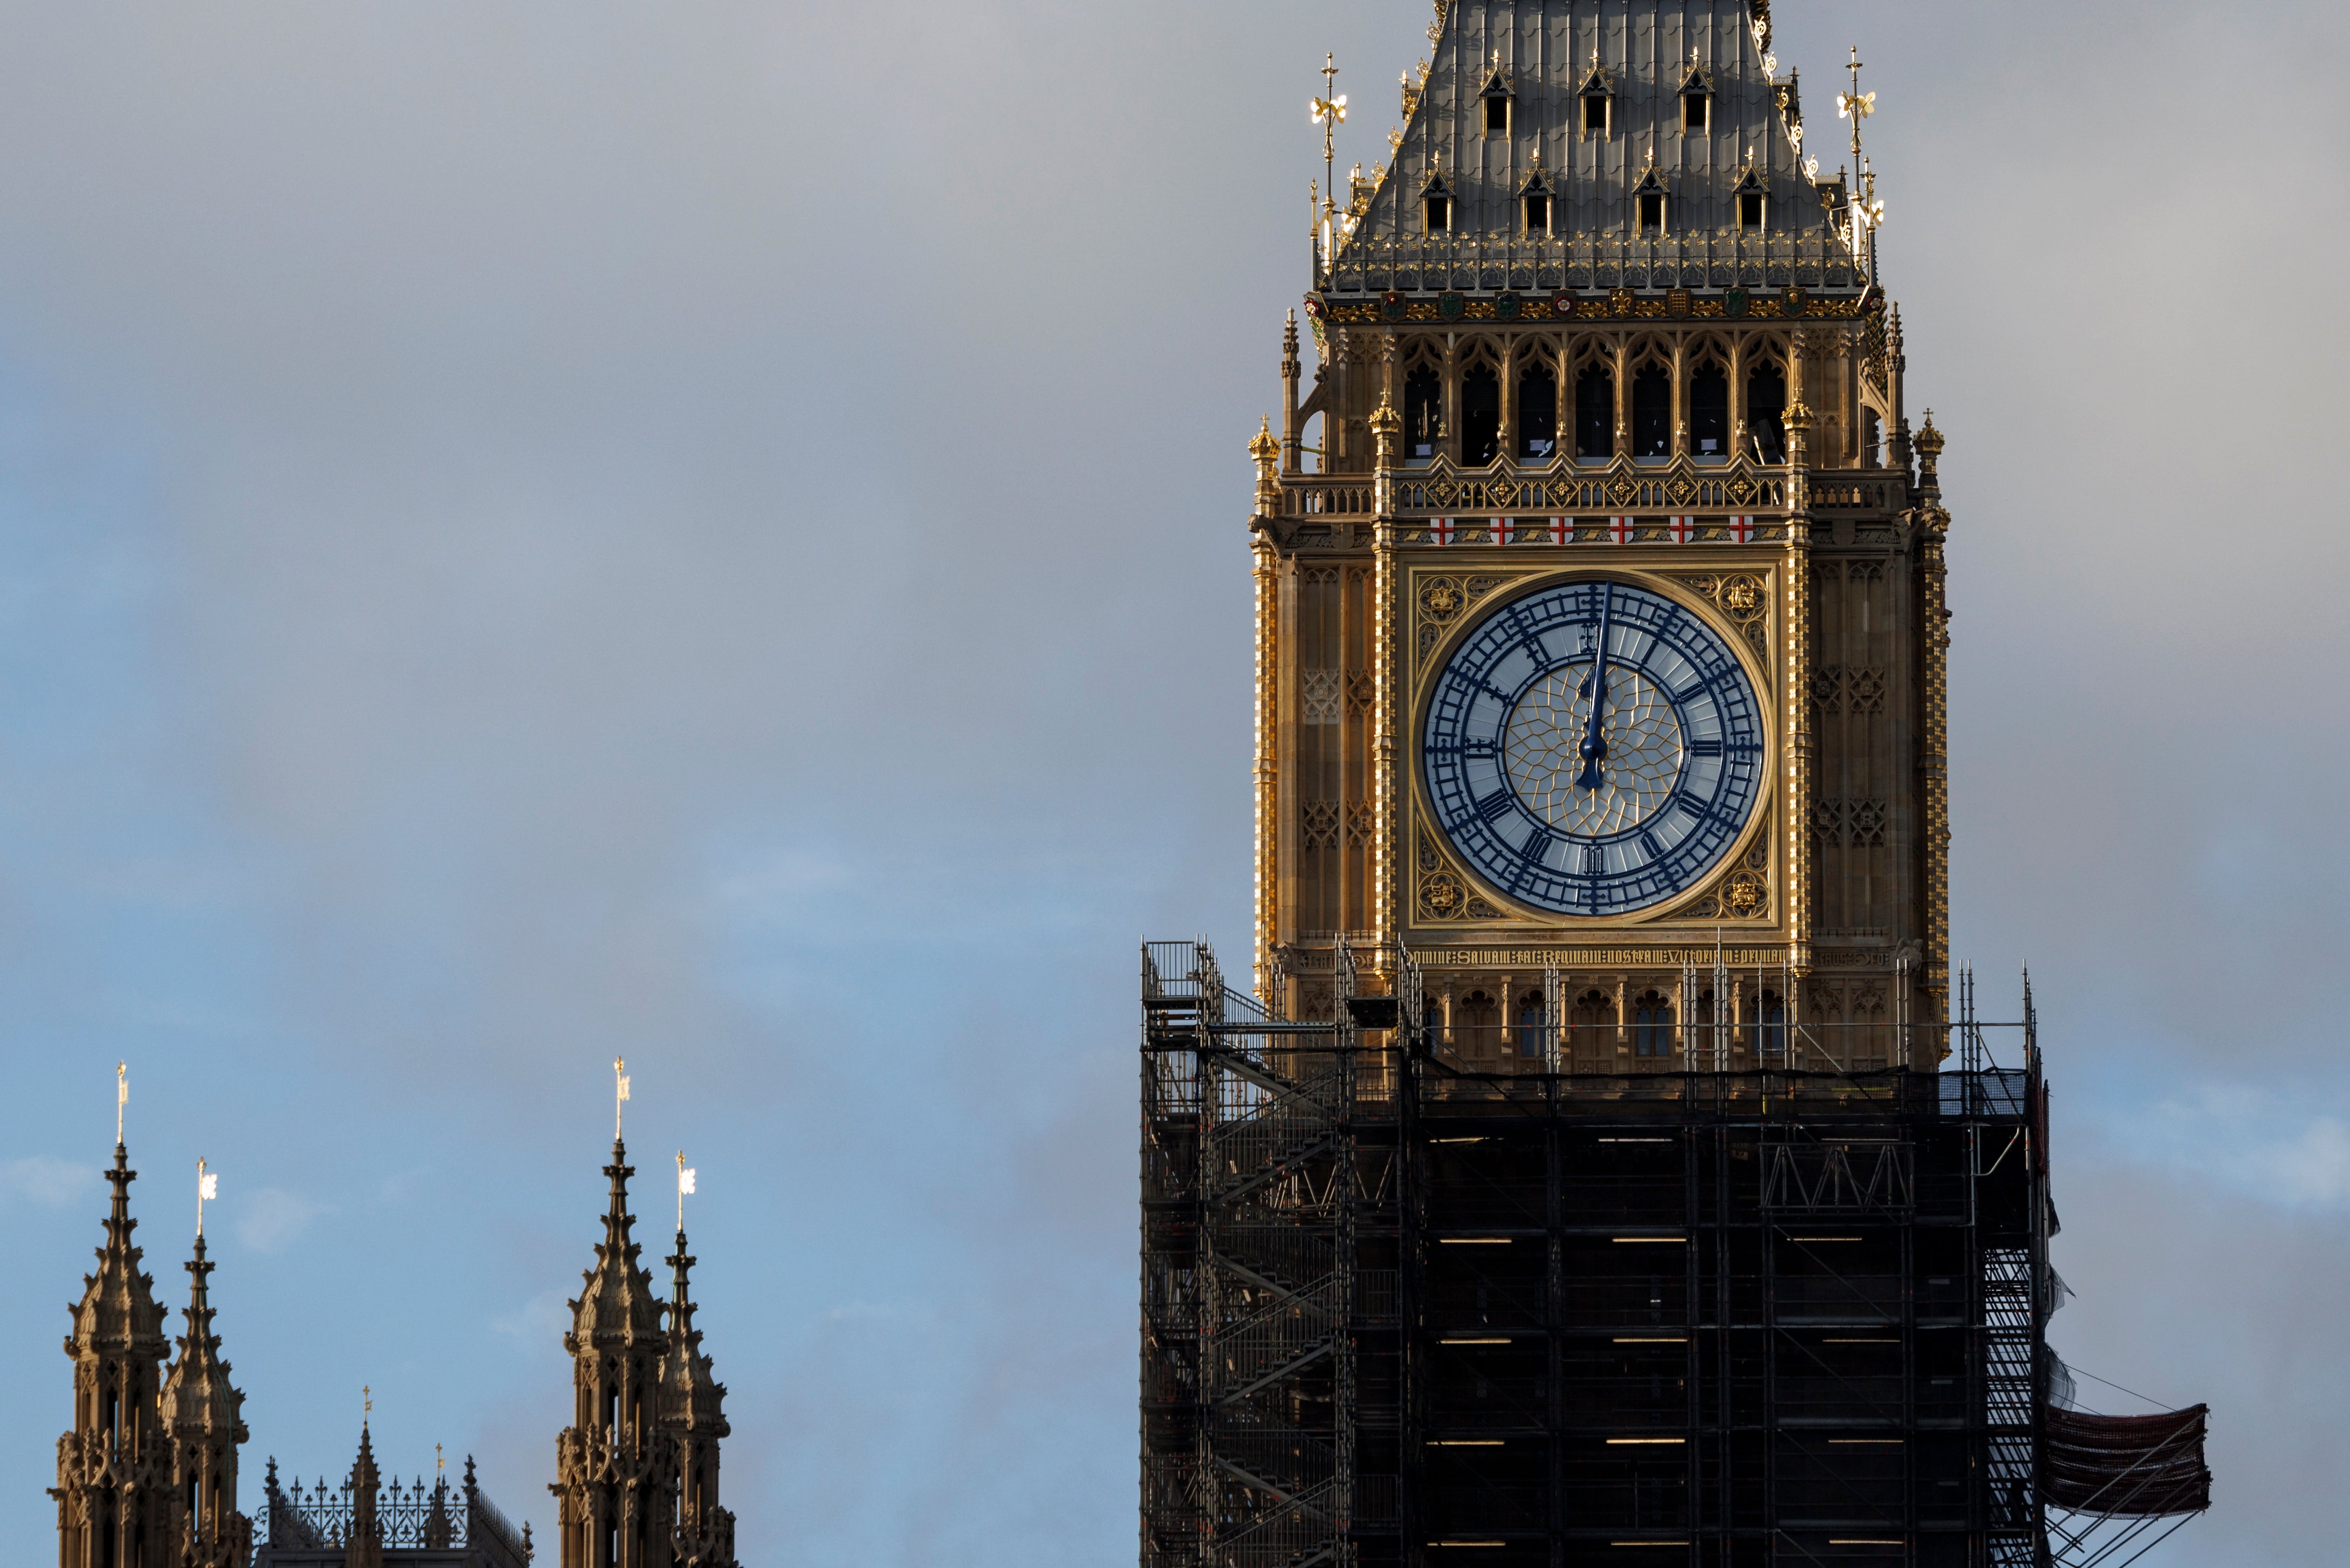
pixel 197 1395
pixel 618 1304
pixel 114 1468
pixel 693 1409
pixel 691 1396
pixel 118 1314
pixel 204 1419
pixel 616 1468
pixel 365 1547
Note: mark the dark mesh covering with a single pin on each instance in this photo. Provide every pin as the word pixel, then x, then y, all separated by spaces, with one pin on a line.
pixel 2129 1466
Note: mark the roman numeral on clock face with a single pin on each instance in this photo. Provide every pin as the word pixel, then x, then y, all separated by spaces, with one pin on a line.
pixel 1619 809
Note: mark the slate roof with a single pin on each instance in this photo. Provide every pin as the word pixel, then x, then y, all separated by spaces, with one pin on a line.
pixel 1542 53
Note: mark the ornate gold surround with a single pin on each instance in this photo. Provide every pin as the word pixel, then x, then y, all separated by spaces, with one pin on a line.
pixel 1442 902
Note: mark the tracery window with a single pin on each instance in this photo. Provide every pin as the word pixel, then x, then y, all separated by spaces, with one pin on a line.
pixel 1652 410
pixel 1528 1022
pixel 1766 1016
pixel 1477 1025
pixel 1480 414
pixel 1591 1029
pixel 1537 411
pixel 1595 413
pixel 1652 1025
pixel 1708 410
pixel 1766 405
pixel 1423 413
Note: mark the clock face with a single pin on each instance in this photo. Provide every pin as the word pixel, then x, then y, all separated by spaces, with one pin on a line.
pixel 1580 818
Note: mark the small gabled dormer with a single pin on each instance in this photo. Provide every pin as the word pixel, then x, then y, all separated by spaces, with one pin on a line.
pixel 1597 95
pixel 1436 202
pixel 1538 201
pixel 1494 99
pixel 1750 201
pixel 1697 98
pixel 1649 204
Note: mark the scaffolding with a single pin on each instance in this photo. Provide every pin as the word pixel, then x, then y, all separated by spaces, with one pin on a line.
pixel 1397 1309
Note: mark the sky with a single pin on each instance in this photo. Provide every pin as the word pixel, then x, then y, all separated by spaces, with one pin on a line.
pixel 715 535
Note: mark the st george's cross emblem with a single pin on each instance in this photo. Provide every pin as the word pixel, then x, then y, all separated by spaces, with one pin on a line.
pixel 1561 530
pixel 1501 531
pixel 1620 530
pixel 1682 529
pixel 1741 529
pixel 1439 532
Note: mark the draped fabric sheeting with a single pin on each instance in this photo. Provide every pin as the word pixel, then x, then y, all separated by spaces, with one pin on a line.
pixel 2137 1466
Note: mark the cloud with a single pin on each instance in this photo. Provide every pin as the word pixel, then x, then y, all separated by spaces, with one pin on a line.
pixel 273 1219
pixel 538 1324
pixel 47 1179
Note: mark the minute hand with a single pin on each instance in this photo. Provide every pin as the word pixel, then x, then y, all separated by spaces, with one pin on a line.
pixel 1594 743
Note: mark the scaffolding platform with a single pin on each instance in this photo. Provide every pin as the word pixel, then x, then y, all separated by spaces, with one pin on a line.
pixel 1399 1311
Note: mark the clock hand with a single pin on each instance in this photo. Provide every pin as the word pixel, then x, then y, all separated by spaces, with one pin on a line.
pixel 1595 744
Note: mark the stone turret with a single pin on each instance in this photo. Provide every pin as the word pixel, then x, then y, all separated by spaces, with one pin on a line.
pixel 693 1413
pixel 615 1468
pixel 204 1422
pixel 114 1491
pixel 363 1548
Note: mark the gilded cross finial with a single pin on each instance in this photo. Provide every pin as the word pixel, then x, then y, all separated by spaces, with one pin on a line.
pixel 1328 111
pixel 1856 106
pixel 619 1093
pixel 367 1399
pixel 121 1097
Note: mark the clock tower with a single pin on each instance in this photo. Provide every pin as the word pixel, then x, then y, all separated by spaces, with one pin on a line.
pixel 1598 572
pixel 1601 1166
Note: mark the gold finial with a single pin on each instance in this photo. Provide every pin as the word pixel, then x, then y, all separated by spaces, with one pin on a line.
pixel 1262 446
pixel 440 1464
pixel 1266 450
pixel 367 1398
pixel 619 1093
pixel 121 1097
pixel 684 1189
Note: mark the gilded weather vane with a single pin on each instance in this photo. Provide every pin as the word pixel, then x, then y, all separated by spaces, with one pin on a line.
pixel 207 1187
pixel 619 1093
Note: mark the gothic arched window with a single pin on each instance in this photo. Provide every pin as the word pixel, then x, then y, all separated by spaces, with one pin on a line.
pixel 1480 415
pixel 1537 411
pixel 1591 1029
pixel 1595 413
pixel 1767 1015
pixel 1652 1025
pixel 1708 410
pixel 1529 1021
pixel 1652 410
pixel 1766 403
pixel 1423 413
pixel 1477 1025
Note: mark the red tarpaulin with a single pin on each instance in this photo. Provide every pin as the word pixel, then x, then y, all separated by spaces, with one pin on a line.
pixel 2127 1465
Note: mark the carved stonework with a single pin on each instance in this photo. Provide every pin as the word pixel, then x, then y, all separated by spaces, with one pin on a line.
pixel 1740 596
pixel 1743 893
pixel 1443 891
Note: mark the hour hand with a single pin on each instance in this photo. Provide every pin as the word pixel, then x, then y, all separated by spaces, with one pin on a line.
pixel 1594 743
